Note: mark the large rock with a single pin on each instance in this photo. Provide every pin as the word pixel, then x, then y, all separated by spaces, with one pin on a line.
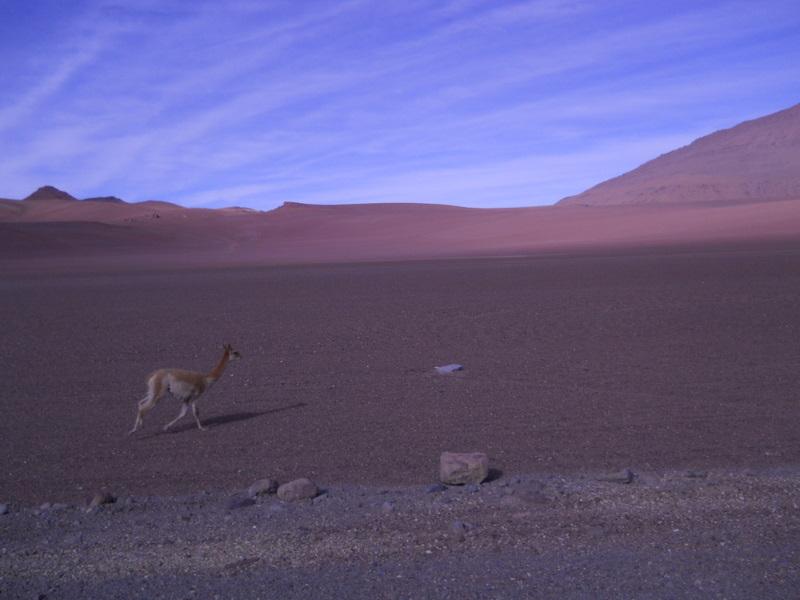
pixel 459 468
pixel 299 489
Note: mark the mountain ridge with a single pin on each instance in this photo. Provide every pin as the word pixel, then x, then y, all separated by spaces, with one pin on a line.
pixel 755 160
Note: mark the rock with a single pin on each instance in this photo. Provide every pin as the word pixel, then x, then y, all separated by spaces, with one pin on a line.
pixel 299 489
pixel 447 369
pixel 472 488
pixel 387 507
pixel 241 565
pixel 435 488
pixel 512 502
pixel 4 510
pixel 624 476
pixel 262 487
pixel 697 474
pixel 100 499
pixel 239 502
pixel 458 530
pixel 459 468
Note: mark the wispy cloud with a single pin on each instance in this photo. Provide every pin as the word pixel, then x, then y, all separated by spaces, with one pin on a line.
pixel 469 102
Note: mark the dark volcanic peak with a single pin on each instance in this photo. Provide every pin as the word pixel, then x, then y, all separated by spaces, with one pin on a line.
pixel 48 192
pixel 753 161
pixel 105 199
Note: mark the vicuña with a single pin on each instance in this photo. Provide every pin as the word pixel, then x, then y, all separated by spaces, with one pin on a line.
pixel 186 386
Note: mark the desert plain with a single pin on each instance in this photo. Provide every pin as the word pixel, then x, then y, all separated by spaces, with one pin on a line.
pixel 653 360
pixel 630 369
pixel 677 363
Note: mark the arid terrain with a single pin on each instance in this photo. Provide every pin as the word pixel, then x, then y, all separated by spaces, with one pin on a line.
pixel 654 360
pixel 667 363
pixel 650 336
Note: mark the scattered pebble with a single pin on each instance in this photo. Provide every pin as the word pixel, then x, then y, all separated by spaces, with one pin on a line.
pixel 299 489
pixel 100 499
pixel 239 502
pixel 262 487
pixel 4 510
pixel 435 488
pixel 624 476
pixel 447 369
pixel 697 474
pixel 458 530
pixel 387 507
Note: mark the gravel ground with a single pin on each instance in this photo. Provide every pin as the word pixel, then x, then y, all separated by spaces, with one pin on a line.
pixel 696 534
pixel 668 363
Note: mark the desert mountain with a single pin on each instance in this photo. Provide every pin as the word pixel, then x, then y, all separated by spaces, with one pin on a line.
pixel 48 193
pixel 754 161
pixel 105 199
pixel 711 192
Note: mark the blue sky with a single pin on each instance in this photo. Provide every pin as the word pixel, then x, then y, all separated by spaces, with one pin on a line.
pixel 468 102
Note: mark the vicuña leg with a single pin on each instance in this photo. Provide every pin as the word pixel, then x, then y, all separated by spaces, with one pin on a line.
pixel 184 408
pixel 196 413
pixel 146 404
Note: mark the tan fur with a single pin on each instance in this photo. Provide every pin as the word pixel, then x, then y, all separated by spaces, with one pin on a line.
pixel 186 386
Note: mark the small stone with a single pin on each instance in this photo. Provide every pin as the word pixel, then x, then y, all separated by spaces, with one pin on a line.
pixel 299 489
pixel 100 499
pixel 435 488
pixel 45 506
pixel 458 530
pixel 236 502
pixel 4 510
pixel 459 468
pixel 387 507
pixel 512 502
pixel 697 474
pixel 447 369
pixel 241 565
pixel 472 488
pixel 262 487
pixel 624 476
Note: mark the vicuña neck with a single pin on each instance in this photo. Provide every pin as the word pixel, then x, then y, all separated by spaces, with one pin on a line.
pixel 216 372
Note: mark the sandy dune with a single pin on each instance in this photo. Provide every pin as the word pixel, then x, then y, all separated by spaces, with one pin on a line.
pixel 95 232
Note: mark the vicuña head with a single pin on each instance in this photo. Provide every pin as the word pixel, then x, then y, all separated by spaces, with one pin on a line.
pixel 186 386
